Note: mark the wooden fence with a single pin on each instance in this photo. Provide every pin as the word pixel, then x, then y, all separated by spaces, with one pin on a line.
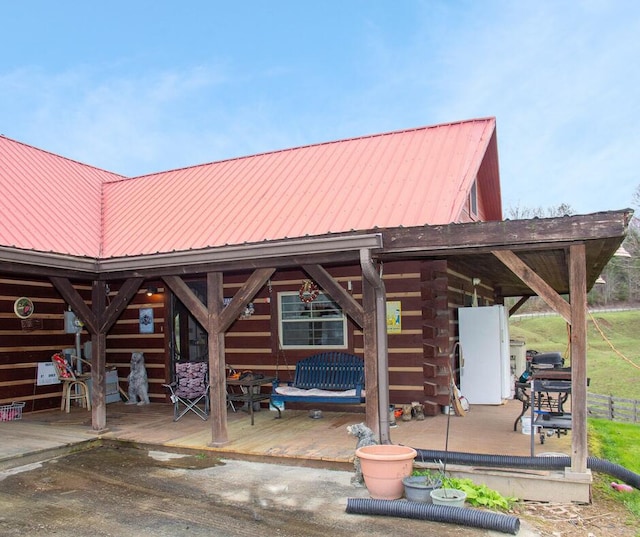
pixel 613 408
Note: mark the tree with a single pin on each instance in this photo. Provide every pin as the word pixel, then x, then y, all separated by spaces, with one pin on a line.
pixel 518 212
pixel 622 273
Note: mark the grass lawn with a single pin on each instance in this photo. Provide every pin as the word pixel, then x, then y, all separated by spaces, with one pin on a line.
pixel 613 340
pixel 618 443
pixel 613 366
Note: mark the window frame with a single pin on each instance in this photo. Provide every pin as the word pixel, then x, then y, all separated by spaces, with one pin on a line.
pixel 282 323
pixel 473 198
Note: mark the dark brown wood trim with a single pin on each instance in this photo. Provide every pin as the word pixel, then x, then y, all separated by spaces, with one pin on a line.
pixel 217 370
pixel 577 279
pixel 243 296
pixel 189 299
pixel 529 276
pixel 98 358
pixel 73 298
pixel 348 304
pixel 544 232
pixel 518 305
pixel 372 412
pixel 119 303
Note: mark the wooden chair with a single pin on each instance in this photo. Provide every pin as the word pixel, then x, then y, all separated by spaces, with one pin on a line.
pixel 73 388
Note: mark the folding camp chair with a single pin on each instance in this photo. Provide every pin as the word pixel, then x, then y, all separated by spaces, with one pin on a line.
pixel 190 389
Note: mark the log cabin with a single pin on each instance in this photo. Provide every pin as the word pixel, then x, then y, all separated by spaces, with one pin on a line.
pixel 392 232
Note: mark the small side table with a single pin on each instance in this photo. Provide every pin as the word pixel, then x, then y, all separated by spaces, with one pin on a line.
pixel 249 397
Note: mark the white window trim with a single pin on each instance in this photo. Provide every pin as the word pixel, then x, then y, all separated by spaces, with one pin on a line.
pixel 334 319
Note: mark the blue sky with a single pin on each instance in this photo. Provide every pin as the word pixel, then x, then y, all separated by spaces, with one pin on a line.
pixel 141 86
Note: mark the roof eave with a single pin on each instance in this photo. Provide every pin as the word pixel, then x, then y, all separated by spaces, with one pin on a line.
pixel 294 248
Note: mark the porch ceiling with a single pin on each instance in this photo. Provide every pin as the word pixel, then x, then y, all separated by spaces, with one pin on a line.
pixel 542 244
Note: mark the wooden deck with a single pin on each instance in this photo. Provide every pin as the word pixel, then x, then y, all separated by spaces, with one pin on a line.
pixel 294 439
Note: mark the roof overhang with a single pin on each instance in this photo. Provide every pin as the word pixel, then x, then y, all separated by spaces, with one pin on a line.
pixel 541 243
pixel 291 252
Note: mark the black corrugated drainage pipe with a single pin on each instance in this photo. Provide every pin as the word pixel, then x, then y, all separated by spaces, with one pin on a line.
pixel 474 518
pixel 513 461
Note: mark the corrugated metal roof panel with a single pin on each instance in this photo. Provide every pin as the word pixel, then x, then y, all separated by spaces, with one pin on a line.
pixel 407 178
pixel 49 203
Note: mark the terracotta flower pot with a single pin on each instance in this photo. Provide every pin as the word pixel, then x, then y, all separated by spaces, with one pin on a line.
pixel 384 467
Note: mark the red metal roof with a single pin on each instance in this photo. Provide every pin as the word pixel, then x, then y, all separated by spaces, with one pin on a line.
pixel 49 203
pixel 406 178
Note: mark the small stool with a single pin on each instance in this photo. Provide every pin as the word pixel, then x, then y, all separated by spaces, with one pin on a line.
pixel 72 390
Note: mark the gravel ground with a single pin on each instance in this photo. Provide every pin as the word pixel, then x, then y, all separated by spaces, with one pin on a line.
pixel 122 492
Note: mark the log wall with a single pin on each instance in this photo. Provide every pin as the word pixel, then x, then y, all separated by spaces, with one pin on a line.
pixel 428 293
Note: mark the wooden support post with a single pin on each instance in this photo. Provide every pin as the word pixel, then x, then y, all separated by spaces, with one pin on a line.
pixel 578 296
pixel 217 373
pixel 98 359
pixel 370 357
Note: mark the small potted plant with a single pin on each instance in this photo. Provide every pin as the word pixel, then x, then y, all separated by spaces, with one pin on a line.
pixel 457 491
pixel 418 486
pixel 448 496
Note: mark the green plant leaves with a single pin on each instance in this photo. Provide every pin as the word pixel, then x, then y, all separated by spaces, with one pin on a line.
pixel 479 495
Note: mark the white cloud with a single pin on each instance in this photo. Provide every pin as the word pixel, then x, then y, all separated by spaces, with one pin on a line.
pixel 561 79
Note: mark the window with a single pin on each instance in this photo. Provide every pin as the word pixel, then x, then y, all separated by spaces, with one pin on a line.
pixel 320 323
pixel 473 198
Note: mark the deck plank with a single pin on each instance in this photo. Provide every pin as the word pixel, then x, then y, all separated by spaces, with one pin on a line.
pixel 297 437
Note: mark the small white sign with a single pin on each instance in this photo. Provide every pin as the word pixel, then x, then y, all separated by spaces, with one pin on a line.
pixel 47 374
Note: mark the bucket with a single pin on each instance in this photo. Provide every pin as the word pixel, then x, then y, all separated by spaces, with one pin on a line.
pixel 418 488
pixel 525 423
pixel 450 497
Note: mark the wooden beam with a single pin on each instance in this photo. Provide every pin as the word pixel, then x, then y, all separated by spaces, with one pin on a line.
pixel 543 232
pixel 98 321
pixel 217 366
pixel 189 299
pixel 73 298
pixel 529 276
pixel 243 296
pixel 372 412
pixel 98 359
pixel 577 279
pixel 518 305
pixel 153 272
pixel 119 303
pixel 348 304
pixel 112 312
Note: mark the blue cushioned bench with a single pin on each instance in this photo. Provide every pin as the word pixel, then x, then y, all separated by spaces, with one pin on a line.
pixel 323 378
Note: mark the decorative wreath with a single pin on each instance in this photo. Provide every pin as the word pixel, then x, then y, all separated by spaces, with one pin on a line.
pixel 308 292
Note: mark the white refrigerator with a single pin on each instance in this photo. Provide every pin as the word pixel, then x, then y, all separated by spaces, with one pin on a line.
pixel 485 372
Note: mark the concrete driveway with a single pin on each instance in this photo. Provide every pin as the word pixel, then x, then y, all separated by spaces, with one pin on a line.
pixel 111 491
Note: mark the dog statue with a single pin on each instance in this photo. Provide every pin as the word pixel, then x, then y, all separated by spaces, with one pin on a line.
pixel 138 381
pixel 365 437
